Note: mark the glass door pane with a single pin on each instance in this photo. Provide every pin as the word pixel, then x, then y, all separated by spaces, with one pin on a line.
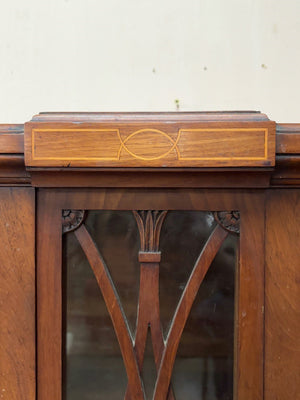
pixel 145 266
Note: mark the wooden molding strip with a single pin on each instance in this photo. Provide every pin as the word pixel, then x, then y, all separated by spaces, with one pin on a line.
pixel 286 172
pixel 11 138
pixel 288 139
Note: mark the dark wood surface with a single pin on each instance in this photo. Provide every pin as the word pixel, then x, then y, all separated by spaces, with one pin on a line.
pixel 12 138
pixel 17 294
pixel 209 329
pixel 282 336
pixel 286 172
pixel 112 301
pixel 249 359
pixel 12 170
pixel 150 177
pixel 12 166
pixel 250 307
pixel 183 310
pixel 288 139
pixel 273 235
pixel 49 297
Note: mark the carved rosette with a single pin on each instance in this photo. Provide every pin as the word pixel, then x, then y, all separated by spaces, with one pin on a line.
pixel 149 225
pixel 229 220
pixel 72 219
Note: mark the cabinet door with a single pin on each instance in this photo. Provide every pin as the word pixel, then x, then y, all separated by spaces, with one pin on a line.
pixel 150 294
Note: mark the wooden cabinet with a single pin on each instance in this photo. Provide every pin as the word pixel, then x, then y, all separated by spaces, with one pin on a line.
pixel 150 255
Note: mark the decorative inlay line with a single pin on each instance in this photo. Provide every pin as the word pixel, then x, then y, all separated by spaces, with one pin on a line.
pixel 114 144
pixel 140 131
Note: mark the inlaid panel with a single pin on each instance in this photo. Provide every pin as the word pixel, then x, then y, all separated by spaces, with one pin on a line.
pixel 150 140
pixel 149 304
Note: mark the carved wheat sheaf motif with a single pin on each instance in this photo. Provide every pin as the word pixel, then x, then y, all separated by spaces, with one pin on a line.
pixel 148 318
pixel 149 224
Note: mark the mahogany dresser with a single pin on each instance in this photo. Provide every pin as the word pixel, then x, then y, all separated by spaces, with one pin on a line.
pixel 150 256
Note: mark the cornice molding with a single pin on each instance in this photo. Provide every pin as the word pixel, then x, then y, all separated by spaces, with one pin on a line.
pixel 286 172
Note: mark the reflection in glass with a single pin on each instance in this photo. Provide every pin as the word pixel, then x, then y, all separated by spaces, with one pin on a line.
pixel 204 364
pixel 93 362
pixel 93 365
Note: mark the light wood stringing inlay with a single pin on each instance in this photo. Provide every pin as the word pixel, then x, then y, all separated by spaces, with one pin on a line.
pixel 150 144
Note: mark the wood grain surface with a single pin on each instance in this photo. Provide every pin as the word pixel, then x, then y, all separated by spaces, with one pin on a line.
pixel 150 177
pixel 288 139
pixel 282 337
pixel 146 161
pixel 249 116
pixel 49 300
pixel 12 138
pixel 249 320
pixel 17 294
pixel 250 305
pixel 12 170
pixel 149 140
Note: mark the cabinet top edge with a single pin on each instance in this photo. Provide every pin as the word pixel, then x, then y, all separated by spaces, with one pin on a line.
pixel 11 129
pixel 192 116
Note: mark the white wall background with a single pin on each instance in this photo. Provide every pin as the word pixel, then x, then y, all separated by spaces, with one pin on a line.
pixel 133 55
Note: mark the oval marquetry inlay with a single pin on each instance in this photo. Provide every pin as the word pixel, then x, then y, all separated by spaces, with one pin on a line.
pixel 149 144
